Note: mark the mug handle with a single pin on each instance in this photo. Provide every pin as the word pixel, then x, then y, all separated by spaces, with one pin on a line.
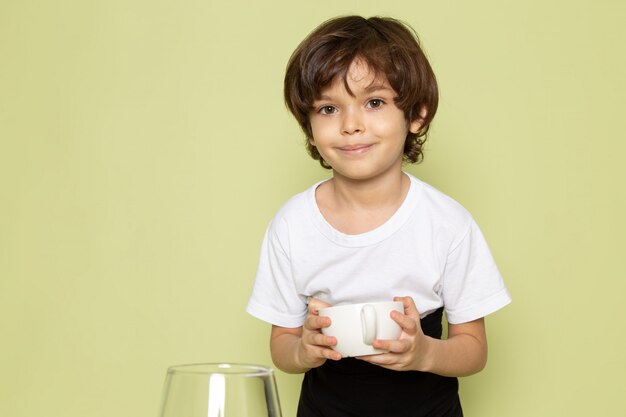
pixel 368 323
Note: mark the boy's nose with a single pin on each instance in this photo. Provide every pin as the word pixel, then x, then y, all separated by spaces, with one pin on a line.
pixel 352 123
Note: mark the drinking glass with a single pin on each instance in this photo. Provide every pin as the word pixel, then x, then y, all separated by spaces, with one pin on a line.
pixel 220 390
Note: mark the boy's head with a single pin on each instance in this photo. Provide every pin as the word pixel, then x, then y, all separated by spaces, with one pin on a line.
pixel 389 47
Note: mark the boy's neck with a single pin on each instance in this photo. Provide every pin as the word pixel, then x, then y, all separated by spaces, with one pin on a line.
pixel 371 194
pixel 355 207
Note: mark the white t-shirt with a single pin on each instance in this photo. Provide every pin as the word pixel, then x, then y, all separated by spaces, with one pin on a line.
pixel 430 249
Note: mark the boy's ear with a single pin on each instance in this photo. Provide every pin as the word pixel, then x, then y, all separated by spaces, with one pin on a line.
pixel 417 124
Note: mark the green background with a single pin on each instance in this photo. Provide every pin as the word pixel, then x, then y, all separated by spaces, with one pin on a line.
pixel 144 147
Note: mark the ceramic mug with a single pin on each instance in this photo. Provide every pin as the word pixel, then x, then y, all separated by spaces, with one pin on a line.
pixel 356 326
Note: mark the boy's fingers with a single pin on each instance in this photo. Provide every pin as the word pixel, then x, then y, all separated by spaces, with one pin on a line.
pixel 316 322
pixel 315 305
pixel 322 340
pixel 409 306
pixel 334 355
pixel 331 354
pixel 319 339
pixel 394 346
pixel 408 324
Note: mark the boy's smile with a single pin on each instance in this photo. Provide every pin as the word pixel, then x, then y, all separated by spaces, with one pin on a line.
pixel 355 149
pixel 360 132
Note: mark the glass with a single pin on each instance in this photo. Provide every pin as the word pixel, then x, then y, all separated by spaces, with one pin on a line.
pixel 220 390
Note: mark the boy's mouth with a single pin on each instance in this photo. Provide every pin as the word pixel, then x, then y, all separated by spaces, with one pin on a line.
pixel 356 149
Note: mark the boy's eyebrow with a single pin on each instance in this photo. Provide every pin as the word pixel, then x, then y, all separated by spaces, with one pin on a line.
pixel 377 87
pixel 322 97
pixel 369 89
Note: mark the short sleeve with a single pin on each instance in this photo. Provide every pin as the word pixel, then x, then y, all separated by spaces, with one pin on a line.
pixel 274 297
pixel 472 284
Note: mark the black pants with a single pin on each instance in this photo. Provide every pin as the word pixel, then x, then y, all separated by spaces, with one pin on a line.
pixel 354 388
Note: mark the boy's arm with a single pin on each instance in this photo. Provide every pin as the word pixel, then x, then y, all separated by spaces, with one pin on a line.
pixel 296 350
pixel 463 353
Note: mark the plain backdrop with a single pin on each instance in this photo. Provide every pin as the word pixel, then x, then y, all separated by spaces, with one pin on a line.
pixel 144 147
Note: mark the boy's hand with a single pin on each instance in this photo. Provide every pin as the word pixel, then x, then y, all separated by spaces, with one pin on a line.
pixel 315 348
pixel 296 350
pixel 410 351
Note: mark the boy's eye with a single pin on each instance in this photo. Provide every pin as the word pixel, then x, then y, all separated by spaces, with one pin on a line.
pixel 375 103
pixel 327 110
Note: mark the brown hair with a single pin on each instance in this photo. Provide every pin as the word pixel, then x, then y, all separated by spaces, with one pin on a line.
pixel 388 46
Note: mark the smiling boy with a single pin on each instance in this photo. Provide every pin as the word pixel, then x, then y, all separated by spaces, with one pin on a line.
pixel 364 95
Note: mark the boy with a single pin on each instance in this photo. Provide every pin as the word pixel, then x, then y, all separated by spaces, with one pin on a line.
pixel 364 94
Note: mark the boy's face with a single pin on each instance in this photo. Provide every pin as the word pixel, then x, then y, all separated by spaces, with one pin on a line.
pixel 360 135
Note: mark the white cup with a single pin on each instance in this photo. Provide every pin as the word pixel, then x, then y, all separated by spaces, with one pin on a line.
pixel 356 326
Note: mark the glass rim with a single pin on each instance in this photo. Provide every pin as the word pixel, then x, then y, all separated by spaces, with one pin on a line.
pixel 223 368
